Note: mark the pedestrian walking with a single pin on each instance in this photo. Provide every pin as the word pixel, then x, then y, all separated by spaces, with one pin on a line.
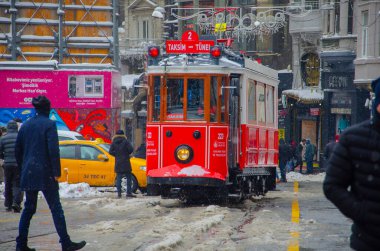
pixel 352 179
pixel 309 156
pixel 121 149
pixel 12 192
pixel 284 156
pixel 299 153
pixel 37 154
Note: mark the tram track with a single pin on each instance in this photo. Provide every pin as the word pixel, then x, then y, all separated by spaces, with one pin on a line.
pixel 29 237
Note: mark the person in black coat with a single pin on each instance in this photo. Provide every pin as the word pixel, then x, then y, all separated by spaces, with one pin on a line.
pixel 37 155
pixel 352 179
pixel 121 149
pixel 299 152
pixel 13 195
pixel 284 153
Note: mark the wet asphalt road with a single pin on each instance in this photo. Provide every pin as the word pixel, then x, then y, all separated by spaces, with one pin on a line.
pixel 258 224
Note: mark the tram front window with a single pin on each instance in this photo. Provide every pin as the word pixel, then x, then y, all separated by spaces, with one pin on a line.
pixel 195 99
pixel 174 99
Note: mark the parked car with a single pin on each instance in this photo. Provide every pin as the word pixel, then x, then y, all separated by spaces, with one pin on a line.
pixel 89 162
pixel 69 135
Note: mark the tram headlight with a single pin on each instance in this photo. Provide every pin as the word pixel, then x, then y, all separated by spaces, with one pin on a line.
pixel 184 154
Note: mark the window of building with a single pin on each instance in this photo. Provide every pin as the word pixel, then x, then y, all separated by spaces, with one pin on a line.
pixel 364 33
pixel 350 20
pixel 145 27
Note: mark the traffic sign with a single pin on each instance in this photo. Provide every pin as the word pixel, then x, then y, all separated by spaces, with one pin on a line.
pixel 190 43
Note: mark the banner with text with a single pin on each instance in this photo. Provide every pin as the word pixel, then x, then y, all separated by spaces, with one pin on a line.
pixel 65 89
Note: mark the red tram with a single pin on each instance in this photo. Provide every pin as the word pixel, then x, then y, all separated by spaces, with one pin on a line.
pixel 211 124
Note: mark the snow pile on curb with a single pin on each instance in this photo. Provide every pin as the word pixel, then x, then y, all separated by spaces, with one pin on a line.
pixel 294 176
pixel 77 190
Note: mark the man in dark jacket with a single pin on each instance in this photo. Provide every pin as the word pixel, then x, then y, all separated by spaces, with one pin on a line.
pixel 284 152
pixel 37 155
pixel 352 180
pixel 12 193
pixel 309 156
pixel 121 149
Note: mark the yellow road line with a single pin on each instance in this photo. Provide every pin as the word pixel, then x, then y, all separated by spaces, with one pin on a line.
pixel 295 235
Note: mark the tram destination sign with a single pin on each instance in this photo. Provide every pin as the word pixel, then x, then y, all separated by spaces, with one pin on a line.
pixel 190 43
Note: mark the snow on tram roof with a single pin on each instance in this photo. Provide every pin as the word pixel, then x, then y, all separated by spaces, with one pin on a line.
pixel 196 60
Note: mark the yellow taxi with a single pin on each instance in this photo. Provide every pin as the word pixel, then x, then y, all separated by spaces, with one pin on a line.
pixel 89 161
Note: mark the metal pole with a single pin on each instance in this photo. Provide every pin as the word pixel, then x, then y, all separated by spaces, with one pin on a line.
pixel 115 17
pixel 13 12
pixel 60 32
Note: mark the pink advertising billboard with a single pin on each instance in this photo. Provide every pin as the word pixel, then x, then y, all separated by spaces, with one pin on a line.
pixel 65 88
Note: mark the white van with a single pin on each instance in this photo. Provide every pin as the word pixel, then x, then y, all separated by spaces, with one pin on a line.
pixel 69 135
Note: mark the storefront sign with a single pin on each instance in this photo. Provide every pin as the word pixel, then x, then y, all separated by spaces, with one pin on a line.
pixel 341 110
pixel 190 43
pixel 334 82
pixel 315 111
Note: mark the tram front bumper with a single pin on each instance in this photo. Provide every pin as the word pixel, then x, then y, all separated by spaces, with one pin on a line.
pixel 193 175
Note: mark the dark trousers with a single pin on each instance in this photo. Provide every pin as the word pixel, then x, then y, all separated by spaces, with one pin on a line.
pixel 52 198
pixel 12 191
pixel 119 177
pixel 309 166
pixel 283 170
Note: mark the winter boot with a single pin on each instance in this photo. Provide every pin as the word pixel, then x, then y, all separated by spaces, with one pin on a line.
pixel 26 248
pixel 73 246
pixel 16 208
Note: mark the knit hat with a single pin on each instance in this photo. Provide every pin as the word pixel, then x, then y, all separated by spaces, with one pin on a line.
pixel 119 132
pixel 376 89
pixel 12 125
pixel 41 103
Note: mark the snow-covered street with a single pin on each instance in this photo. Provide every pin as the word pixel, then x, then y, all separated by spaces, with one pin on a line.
pixel 152 223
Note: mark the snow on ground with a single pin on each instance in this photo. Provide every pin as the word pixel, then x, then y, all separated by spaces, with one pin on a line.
pixel 2 190
pixel 294 176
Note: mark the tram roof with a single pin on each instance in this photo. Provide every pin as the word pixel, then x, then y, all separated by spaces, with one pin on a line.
pixel 203 63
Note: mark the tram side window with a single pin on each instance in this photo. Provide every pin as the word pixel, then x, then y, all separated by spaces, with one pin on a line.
pixel 174 99
pixel 156 109
pixel 223 115
pixel 251 101
pixel 260 97
pixel 195 99
pixel 269 105
pixel 213 98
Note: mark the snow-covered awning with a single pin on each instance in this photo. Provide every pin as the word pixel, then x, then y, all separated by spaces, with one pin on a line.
pixel 307 96
pixel 127 114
